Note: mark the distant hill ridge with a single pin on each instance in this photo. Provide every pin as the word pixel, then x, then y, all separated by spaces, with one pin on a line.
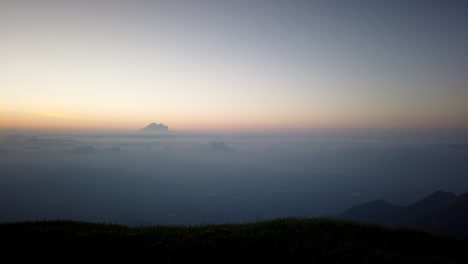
pixel 441 212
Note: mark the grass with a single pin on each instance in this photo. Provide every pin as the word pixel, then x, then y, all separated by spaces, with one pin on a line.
pixel 277 241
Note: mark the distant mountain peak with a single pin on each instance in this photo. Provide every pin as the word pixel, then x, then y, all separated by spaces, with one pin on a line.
pixel 155 127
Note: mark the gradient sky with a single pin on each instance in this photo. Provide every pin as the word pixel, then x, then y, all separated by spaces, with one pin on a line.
pixel 237 65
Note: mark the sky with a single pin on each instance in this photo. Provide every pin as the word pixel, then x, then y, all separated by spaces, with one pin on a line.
pixel 233 65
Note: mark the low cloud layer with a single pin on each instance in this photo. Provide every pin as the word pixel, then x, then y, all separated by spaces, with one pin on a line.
pixel 189 179
pixel 86 149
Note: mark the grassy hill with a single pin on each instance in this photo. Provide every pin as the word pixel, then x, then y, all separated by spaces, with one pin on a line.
pixel 277 241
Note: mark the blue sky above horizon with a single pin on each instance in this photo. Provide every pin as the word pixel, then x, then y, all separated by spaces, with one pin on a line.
pixel 233 65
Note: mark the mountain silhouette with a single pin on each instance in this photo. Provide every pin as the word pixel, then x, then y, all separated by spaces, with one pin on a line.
pixel 378 212
pixel 453 219
pixel 154 127
pixel 441 212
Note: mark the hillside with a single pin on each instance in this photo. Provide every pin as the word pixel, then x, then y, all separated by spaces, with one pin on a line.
pixel 441 212
pixel 277 241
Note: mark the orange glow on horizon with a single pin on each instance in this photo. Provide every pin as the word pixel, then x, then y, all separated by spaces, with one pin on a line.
pixel 50 114
pixel 48 120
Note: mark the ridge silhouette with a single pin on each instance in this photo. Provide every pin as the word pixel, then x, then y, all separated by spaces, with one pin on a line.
pixel 440 212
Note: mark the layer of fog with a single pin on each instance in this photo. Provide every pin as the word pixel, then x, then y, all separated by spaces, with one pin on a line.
pixel 192 179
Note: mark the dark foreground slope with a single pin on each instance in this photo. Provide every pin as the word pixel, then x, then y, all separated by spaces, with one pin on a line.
pixel 284 241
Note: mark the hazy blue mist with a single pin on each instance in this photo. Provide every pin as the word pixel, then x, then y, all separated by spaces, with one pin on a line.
pixel 206 178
